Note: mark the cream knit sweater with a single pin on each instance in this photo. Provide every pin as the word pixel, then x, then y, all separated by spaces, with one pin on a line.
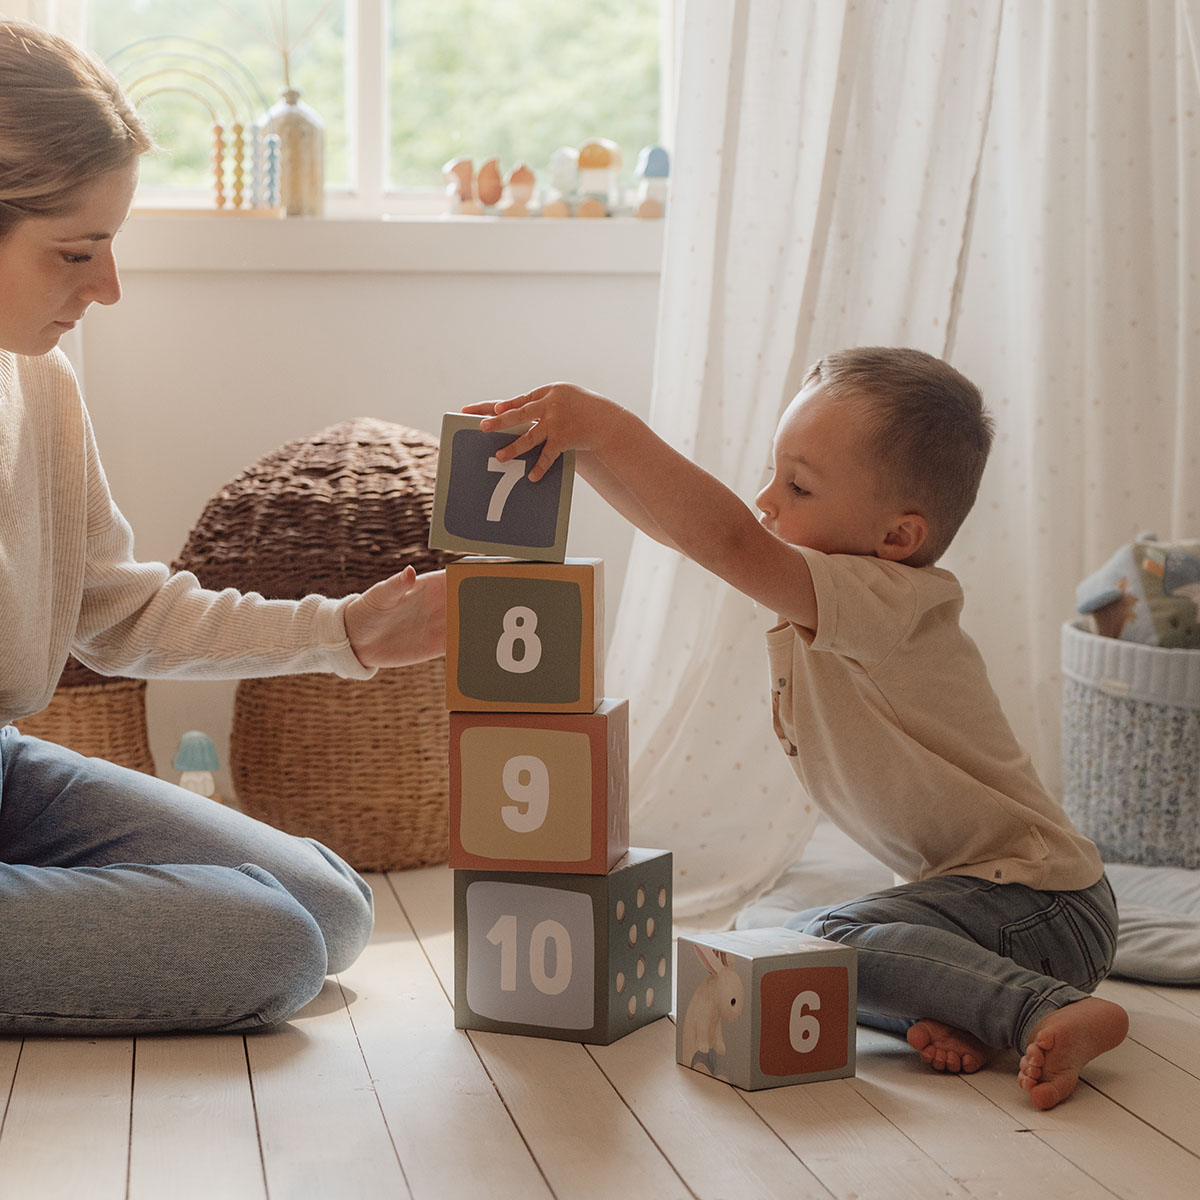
pixel 69 582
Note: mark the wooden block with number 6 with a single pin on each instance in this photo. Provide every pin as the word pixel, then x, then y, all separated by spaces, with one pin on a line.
pixel 583 958
pixel 524 637
pixel 763 1007
pixel 540 791
pixel 484 506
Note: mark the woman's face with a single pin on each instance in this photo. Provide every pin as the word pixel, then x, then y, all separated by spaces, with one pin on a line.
pixel 53 268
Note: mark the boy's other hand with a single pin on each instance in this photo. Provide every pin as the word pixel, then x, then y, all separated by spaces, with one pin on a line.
pixel 400 620
pixel 563 417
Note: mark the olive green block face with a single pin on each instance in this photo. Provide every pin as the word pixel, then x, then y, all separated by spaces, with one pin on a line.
pixel 524 637
pixel 577 957
pixel 761 1008
pixel 540 791
pixel 484 506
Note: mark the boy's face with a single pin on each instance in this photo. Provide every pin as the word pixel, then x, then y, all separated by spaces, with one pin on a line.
pixel 824 493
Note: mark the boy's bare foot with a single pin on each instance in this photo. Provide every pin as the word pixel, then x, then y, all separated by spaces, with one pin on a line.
pixel 945 1048
pixel 1064 1042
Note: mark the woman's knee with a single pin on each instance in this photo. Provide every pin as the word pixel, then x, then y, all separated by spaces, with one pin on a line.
pixel 341 902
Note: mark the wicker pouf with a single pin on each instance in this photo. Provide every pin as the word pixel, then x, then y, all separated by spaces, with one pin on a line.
pixel 96 715
pixel 361 766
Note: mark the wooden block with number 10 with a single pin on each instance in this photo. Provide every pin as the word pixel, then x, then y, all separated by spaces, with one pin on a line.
pixel 764 1007
pixel 484 506
pixel 540 791
pixel 524 637
pixel 582 958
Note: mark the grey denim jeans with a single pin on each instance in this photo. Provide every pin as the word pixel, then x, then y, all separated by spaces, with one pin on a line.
pixel 990 958
pixel 129 905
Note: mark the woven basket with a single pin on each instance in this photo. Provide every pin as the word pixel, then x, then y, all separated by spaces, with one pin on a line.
pixel 98 716
pixel 362 766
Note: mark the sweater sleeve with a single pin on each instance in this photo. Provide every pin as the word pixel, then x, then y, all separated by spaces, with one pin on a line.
pixel 138 619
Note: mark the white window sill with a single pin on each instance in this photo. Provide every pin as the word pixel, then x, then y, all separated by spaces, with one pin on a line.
pixel 165 240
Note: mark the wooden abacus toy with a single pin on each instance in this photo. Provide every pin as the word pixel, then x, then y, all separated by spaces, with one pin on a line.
pixel 561 930
pixel 801 997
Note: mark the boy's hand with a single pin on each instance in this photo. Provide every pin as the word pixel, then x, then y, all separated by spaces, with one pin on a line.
pixel 564 417
pixel 400 620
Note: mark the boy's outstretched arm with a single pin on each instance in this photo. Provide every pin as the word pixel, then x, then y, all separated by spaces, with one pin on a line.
pixel 660 490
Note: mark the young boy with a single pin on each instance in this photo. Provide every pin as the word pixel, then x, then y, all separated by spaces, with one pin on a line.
pixel 883 703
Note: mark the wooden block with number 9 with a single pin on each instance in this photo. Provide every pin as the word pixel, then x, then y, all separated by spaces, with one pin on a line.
pixel 524 637
pixel 764 1007
pixel 583 958
pixel 540 791
pixel 484 506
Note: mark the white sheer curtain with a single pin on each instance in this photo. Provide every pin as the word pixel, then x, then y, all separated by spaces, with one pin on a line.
pixel 1005 184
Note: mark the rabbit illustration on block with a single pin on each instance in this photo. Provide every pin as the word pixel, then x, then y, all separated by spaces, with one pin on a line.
pixel 720 997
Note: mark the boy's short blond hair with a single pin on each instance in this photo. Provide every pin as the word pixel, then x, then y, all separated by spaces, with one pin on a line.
pixel 927 428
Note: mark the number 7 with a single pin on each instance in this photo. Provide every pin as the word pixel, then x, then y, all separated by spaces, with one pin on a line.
pixel 510 472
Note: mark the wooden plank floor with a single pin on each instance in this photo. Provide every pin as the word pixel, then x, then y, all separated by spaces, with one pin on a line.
pixel 371 1092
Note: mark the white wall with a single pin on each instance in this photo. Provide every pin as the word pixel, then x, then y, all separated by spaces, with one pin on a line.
pixel 202 368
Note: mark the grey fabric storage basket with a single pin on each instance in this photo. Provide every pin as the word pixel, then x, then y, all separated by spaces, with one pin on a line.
pixel 1131 748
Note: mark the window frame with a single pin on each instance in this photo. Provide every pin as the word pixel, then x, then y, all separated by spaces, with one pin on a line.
pixel 367 196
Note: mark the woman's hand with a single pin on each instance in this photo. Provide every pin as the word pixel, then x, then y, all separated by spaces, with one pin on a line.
pixel 400 620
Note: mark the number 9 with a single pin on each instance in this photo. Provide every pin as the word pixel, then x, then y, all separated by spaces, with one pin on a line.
pixel 533 791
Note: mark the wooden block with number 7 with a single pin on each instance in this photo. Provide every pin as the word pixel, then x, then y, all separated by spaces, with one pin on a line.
pixel 540 791
pixel 484 506
pixel 764 1007
pixel 524 637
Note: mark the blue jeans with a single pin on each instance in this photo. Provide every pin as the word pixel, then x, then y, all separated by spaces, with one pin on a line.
pixel 129 905
pixel 990 958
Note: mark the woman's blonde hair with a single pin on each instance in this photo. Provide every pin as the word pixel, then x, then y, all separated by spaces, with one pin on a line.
pixel 64 121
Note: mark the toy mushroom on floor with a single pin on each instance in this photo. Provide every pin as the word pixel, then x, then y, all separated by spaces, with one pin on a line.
pixel 196 759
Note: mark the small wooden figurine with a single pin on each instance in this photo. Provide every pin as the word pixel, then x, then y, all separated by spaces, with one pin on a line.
pixel 459 174
pixel 599 187
pixel 520 191
pixel 653 168
pixel 564 180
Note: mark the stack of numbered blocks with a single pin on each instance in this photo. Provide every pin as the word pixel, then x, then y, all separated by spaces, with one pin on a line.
pixel 562 930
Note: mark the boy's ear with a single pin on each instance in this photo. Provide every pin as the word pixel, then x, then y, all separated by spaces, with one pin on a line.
pixel 904 538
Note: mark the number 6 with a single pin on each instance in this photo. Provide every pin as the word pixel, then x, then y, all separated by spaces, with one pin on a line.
pixel 804 1030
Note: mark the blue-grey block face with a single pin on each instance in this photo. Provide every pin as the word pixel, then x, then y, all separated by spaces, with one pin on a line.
pixel 639 931
pixel 550 610
pixel 521 514
pixel 531 955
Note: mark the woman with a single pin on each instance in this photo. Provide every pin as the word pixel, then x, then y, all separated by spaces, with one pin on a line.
pixel 129 905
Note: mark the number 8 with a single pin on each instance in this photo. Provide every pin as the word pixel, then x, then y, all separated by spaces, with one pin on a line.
pixel 519 626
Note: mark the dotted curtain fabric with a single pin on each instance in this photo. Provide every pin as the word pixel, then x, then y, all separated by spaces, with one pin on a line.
pixel 825 156
pixel 1080 318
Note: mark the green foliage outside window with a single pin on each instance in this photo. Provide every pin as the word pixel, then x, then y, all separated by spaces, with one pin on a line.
pixel 510 78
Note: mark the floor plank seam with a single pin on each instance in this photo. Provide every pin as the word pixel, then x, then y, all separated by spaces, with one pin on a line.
pixel 1142 1120
pixel 262 1158
pixel 12 1083
pixel 374 1090
pixel 132 1094
pixel 653 1140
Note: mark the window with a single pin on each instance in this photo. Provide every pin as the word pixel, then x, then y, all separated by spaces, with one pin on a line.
pixel 401 86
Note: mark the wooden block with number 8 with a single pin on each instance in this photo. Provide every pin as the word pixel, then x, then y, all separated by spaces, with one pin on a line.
pixel 524 637
pixel 484 506
pixel 764 1007
pixel 582 958
pixel 540 791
